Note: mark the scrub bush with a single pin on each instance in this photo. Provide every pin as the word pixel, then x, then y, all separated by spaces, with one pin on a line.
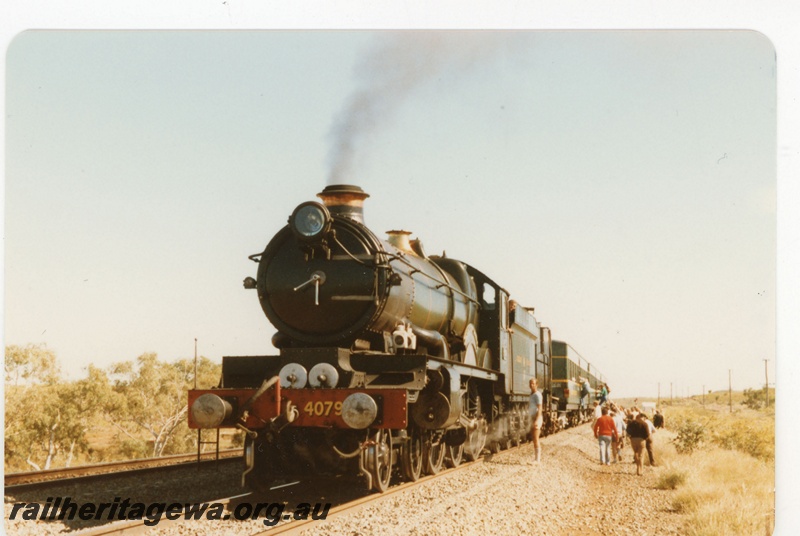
pixel 689 437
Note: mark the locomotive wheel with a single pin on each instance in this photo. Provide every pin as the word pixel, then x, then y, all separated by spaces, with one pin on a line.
pixel 505 429
pixel 380 460
pixel 454 455
pixel 412 454
pixel 434 453
pixel 476 439
pixel 516 421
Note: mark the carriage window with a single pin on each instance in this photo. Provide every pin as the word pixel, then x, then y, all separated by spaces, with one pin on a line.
pixel 488 296
pixel 503 310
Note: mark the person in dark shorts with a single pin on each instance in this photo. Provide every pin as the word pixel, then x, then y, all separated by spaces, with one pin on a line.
pixel 638 431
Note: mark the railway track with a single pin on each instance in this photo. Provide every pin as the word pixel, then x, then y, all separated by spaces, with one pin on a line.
pixel 27 481
pixel 346 505
pixel 337 498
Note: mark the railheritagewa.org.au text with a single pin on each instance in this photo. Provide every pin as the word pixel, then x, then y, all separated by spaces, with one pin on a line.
pixel 64 508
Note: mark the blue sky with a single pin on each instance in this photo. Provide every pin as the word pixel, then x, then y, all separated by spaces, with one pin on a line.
pixel 623 183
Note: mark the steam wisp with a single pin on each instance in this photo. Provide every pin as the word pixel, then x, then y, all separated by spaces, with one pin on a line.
pixel 390 74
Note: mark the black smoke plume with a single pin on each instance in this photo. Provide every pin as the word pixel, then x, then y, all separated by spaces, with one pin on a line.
pixel 390 73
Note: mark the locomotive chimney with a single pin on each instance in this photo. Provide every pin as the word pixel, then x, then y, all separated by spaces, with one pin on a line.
pixel 344 200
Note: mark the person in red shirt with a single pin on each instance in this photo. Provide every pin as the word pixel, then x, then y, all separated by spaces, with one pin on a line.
pixel 605 430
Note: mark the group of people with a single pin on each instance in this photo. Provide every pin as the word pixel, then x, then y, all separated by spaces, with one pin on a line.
pixel 603 394
pixel 613 423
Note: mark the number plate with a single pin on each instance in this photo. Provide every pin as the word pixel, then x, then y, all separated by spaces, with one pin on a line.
pixel 323 407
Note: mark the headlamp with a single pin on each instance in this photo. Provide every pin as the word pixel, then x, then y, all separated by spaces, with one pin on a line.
pixel 310 221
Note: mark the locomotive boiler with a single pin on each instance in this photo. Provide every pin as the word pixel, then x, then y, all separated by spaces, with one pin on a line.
pixel 387 358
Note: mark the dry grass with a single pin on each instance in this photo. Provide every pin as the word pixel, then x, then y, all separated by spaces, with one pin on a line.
pixel 726 486
pixel 726 493
pixel 744 430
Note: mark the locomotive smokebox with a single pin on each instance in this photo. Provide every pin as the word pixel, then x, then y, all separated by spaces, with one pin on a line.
pixel 345 200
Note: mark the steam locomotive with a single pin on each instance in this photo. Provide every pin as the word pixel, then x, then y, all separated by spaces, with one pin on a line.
pixel 390 360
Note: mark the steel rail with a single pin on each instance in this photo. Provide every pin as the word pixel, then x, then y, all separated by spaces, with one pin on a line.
pixel 289 527
pixel 32 479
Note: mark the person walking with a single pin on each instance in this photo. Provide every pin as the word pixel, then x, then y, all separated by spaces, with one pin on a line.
pixel 535 410
pixel 605 430
pixel 638 431
pixel 616 446
pixel 648 444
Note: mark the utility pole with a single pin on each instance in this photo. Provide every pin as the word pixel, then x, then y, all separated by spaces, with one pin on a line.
pixel 766 385
pixel 730 391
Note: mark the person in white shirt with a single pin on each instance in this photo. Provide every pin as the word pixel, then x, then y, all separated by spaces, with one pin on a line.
pixel 536 413
pixel 649 442
pixel 616 447
pixel 598 411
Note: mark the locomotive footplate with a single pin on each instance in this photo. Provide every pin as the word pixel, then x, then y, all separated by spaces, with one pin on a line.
pixel 321 408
